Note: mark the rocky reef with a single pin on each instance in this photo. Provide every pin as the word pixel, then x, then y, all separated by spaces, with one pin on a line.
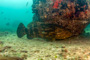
pixel 58 19
pixel 69 15
pixel 60 9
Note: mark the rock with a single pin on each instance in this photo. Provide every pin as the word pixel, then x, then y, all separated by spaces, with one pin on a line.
pixel 1 42
pixel 24 56
pixel 10 58
pixel 24 51
pixel 37 51
pixel 64 52
pixel 7 47
pixel 1 49
pixel 63 46
pixel 48 56
pixel 67 20
pixel 4 48
pixel 13 51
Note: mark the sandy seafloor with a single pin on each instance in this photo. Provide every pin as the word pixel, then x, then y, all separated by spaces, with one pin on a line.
pixel 77 48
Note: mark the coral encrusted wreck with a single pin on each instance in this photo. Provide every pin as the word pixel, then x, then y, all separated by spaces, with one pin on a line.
pixel 57 19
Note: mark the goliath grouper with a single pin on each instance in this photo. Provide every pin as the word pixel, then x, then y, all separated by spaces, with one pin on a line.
pixel 52 31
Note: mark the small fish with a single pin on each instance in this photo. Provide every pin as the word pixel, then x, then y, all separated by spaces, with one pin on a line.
pixel 27 3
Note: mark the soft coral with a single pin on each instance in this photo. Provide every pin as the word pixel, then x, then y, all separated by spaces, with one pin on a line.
pixel 56 3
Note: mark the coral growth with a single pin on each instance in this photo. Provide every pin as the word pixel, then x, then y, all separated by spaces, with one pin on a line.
pixel 71 9
pixel 70 16
pixel 56 3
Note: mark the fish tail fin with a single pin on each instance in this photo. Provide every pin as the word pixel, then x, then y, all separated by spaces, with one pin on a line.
pixel 21 30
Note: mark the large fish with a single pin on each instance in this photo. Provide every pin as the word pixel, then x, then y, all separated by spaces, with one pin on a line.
pixel 52 31
pixel 42 30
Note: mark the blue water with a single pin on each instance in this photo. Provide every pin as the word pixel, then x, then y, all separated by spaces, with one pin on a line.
pixel 12 12
pixel 87 29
